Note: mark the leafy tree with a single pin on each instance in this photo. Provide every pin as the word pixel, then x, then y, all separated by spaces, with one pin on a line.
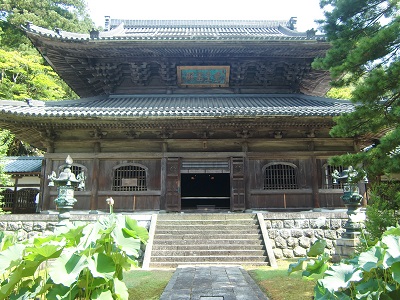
pixel 365 40
pixel 4 179
pixel 70 15
pixel 23 72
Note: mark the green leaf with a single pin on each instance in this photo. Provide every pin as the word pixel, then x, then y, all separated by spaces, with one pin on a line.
pixel 297 266
pixel 102 295
pixel 392 254
pixel 396 272
pixel 318 266
pixel 101 266
pixel 371 259
pixel 120 289
pixel 340 276
pixel 65 270
pixel 317 248
pixel 11 257
pixel 59 291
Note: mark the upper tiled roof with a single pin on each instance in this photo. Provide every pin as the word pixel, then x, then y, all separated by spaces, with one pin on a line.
pixel 22 164
pixel 184 30
pixel 164 106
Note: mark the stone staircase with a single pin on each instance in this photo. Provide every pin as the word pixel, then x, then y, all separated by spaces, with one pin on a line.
pixel 207 239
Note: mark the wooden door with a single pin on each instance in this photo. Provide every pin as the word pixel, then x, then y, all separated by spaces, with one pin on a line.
pixel 173 185
pixel 238 190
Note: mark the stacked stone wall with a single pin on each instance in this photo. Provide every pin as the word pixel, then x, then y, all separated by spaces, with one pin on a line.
pixel 292 234
pixel 30 225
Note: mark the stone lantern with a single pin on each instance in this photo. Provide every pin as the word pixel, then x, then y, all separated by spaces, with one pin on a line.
pixel 66 184
pixel 351 198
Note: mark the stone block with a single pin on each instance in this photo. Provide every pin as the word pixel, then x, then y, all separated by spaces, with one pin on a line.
pixel 336 224
pixel 304 242
pixel 292 242
pixel 288 253
pixel 319 234
pixel 330 234
pixel 268 224
pixel 3 226
pixel 39 226
pixel 304 223
pixel 288 223
pixel 272 233
pixel 27 226
pixel 14 226
pixel 299 251
pixel 285 233
pixel 309 233
pixel 278 224
pixel 278 253
pixel 280 242
pixel 297 233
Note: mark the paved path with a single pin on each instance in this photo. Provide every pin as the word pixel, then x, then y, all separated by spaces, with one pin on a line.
pixel 212 283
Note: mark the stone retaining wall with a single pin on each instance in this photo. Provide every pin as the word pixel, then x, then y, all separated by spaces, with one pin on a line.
pixel 291 234
pixel 29 225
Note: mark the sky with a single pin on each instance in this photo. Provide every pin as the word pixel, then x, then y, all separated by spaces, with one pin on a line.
pixel 306 11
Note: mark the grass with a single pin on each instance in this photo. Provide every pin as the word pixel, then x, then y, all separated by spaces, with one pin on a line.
pixel 275 283
pixel 278 285
pixel 147 285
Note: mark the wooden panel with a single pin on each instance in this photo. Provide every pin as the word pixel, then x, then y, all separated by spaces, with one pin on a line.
pixel 238 190
pixel 173 193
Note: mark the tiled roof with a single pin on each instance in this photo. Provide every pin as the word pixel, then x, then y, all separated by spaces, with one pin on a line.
pixel 22 164
pixel 164 106
pixel 184 30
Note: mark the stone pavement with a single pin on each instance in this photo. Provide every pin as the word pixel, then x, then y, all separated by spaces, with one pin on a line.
pixel 212 283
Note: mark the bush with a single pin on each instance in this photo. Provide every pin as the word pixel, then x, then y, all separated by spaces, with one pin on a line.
pixel 76 262
pixel 373 274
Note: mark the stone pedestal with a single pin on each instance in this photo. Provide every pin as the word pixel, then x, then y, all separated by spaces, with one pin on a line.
pixel 345 247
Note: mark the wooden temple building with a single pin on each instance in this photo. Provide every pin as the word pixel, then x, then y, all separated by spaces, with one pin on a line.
pixel 178 115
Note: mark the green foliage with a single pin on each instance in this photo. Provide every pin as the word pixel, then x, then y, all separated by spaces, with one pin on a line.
pixel 4 178
pixel 365 41
pixel 25 76
pixel 76 262
pixel 364 56
pixel 373 274
pixel 383 210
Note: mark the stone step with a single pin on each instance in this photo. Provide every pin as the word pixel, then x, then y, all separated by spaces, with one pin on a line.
pixel 168 265
pixel 189 236
pixel 216 246
pixel 197 227
pixel 202 217
pixel 200 241
pixel 207 232
pixel 214 258
pixel 205 253
pixel 206 222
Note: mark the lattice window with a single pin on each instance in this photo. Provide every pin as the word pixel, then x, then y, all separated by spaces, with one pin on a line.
pixel 327 177
pixel 26 198
pixel 130 178
pixel 8 198
pixel 280 176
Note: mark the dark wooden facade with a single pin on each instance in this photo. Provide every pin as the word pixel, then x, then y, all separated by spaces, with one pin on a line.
pixel 153 141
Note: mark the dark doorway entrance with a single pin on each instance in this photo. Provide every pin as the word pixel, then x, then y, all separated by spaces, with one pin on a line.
pixel 204 190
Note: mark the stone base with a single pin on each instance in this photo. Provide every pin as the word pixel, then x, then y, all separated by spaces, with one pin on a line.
pixel 345 248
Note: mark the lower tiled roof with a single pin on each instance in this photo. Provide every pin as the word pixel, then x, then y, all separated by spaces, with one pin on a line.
pixel 22 164
pixel 163 106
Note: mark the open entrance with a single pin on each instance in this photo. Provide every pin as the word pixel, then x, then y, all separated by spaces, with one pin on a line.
pixel 205 190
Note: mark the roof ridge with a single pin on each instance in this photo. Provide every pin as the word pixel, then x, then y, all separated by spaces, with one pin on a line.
pixel 199 22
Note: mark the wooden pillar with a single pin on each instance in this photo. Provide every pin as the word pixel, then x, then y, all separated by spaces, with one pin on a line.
pixel 48 170
pixel 314 183
pixel 15 194
pixel 95 179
